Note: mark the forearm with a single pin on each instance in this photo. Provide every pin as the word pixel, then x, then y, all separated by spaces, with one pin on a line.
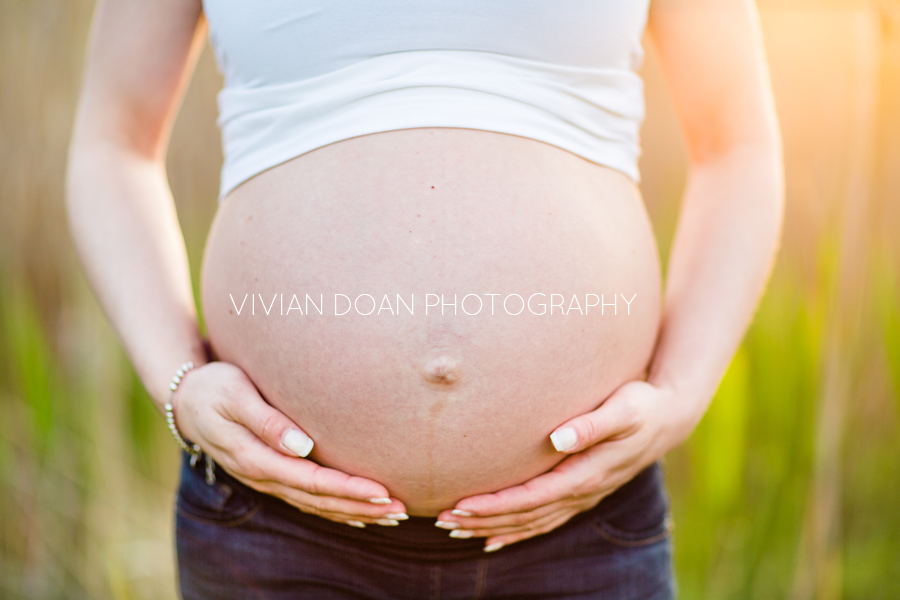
pixel 125 229
pixel 724 248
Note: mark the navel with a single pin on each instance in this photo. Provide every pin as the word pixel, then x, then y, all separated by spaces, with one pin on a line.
pixel 441 369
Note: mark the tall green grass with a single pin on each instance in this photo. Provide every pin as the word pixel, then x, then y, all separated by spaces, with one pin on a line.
pixel 741 486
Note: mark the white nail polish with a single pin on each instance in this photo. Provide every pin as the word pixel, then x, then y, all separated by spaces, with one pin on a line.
pixel 461 513
pixel 379 500
pixel 397 516
pixel 387 522
pixel 461 534
pixel 358 524
pixel 446 525
pixel 494 547
pixel 564 438
pixel 297 442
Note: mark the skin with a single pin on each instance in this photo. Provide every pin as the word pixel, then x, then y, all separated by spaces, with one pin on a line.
pixel 122 215
pixel 383 214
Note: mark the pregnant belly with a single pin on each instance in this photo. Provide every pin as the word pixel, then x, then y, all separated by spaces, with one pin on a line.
pixel 430 304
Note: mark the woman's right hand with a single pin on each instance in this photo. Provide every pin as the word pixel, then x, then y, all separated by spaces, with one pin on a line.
pixel 218 408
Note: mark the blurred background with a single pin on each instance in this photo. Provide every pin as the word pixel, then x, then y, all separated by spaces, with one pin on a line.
pixel 789 488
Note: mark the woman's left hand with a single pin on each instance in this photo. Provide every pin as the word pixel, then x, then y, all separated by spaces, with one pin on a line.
pixel 609 446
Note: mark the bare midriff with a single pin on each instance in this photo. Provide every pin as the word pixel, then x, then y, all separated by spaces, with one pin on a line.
pixel 450 400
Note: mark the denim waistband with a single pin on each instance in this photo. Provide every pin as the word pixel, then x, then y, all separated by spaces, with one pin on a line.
pixel 417 539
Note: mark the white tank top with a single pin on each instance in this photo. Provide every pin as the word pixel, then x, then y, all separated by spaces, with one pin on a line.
pixel 303 74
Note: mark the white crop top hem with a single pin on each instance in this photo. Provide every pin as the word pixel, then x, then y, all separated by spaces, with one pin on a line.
pixel 592 112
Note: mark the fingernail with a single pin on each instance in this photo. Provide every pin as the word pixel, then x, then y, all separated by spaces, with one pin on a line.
pixel 461 534
pixel 387 522
pixel 397 516
pixel 446 525
pixel 358 524
pixel 564 438
pixel 297 442
pixel 494 547
pixel 461 513
pixel 379 500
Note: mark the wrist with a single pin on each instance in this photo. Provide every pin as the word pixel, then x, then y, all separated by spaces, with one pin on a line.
pixel 684 408
pixel 169 408
pixel 158 378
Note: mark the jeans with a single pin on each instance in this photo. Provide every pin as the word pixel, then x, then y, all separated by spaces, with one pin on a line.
pixel 234 543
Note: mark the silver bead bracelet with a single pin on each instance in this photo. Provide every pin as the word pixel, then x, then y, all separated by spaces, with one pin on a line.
pixel 192 449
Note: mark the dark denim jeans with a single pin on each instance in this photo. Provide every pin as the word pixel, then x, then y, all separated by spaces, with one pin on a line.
pixel 235 543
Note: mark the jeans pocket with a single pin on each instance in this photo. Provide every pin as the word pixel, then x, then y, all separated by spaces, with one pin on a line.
pixel 629 538
pixel 219 503
pixel 640 514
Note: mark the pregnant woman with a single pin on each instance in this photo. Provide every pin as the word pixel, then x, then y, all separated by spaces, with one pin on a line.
pixel 440 362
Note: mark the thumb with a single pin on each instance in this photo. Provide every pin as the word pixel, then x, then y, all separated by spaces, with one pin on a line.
pixel 275 429
pixel 611 419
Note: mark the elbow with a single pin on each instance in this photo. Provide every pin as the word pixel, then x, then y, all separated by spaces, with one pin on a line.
pixel 747 133
pixel 99 158
pixel 748 171
pixel 104 140
pixel 761 145
pixel 755 157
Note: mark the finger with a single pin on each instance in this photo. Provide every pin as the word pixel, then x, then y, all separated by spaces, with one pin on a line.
pixel 336 509
pixel 447 520
pixel 494 543
pixel 242 453
pixel 343 508
pixel 617 416
pixel 537 525
pixel 271 425
pixel 552 486
pixel 358 522
pixel 354 520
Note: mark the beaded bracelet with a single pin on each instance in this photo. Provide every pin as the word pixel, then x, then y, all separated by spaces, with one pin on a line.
pixel 192 449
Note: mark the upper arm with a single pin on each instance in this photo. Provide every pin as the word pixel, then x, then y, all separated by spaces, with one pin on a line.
pixel 139 60
pixel 712 55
